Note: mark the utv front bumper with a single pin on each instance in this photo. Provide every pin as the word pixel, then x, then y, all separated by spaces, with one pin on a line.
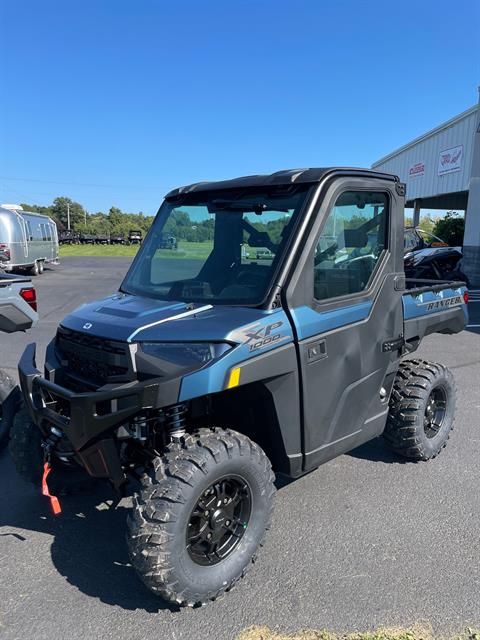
pixel 89 419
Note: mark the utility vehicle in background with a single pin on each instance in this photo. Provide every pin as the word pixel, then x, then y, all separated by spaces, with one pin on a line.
pixel 135 236
pixel 207 370
pixel 18 312
pixel 427 256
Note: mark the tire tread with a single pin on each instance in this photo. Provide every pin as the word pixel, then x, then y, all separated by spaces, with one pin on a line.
pixel 150 538
pixel 412 386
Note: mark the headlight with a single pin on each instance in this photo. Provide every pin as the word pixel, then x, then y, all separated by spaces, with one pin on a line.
pixel 185 353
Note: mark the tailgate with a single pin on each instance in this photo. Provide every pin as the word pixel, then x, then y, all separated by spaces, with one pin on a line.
pixel 15 313
pixel 436 309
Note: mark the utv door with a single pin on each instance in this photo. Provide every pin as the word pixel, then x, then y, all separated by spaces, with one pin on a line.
pixel 344 300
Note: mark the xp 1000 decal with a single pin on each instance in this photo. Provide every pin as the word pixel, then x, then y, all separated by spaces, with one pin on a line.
pixel 258 336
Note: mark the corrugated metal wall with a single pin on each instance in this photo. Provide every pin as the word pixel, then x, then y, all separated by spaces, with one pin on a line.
pixel 426 151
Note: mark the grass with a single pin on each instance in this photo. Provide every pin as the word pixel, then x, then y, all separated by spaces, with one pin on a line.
pixel 415 633
pixel 189 250
pixel 118 250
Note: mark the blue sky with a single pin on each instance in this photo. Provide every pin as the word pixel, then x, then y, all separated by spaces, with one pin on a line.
pixel 114 102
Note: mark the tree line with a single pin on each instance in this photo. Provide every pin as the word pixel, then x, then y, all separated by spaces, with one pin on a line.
pixel 115 222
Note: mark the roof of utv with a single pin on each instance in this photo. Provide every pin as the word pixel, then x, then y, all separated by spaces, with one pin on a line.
pixel 285 177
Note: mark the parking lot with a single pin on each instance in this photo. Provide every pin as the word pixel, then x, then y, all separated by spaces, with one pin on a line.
pixel 367 540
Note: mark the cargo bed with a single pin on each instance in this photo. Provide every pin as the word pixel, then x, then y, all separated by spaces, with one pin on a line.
pixel 432 306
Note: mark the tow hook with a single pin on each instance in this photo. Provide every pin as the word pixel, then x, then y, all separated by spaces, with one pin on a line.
pixel 55 436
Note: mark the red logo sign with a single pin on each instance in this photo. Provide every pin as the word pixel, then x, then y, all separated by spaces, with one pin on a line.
pixel 416 170
pixel 450 160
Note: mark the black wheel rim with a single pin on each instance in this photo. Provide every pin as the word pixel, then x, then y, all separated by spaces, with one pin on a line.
pixel 435 412
pixel 219 520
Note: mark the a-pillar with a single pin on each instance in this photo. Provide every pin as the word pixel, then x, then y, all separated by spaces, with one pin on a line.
pixel 416 212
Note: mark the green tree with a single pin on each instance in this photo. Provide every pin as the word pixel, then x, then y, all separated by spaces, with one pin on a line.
pixel 451 228
pixel 115 216
pixel 60 207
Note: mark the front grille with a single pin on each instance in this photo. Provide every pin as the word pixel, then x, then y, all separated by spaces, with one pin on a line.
pixel 92 358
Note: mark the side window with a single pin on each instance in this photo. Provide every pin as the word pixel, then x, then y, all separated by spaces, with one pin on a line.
pixel 350 245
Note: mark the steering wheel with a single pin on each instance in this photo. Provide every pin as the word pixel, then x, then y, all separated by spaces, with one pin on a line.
pixel 349 261
pixel 323 255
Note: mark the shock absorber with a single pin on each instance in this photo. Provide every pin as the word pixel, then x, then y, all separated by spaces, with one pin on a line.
pixel 175 418
pixel 140 428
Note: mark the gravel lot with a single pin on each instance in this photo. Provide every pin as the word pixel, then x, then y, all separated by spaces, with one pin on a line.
pixel 366 540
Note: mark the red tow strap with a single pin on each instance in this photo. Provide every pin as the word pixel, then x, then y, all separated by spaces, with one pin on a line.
pixel 54 502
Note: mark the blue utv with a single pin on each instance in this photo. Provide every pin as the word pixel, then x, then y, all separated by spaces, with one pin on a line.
pixel 212 368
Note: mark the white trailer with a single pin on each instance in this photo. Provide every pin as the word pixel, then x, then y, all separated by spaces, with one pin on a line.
pixel 28 240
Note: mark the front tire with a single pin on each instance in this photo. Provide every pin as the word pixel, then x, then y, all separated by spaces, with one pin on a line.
pixel 422 410
pixel 35 269
pixel 201 516
pixel 26 448
pixel 27 452
pixel 10 400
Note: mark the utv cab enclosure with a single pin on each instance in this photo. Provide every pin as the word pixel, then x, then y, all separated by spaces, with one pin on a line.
pixel 209 367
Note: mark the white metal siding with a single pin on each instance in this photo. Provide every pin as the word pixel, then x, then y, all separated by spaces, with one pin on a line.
pixel 426 149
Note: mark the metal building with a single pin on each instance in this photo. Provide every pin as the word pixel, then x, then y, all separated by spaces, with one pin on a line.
pixel 442 171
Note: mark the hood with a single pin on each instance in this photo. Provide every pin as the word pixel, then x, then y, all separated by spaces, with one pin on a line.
pixel 130 318
pixel 437 253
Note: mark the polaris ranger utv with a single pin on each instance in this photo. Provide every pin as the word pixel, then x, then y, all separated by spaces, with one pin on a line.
pixel 208 368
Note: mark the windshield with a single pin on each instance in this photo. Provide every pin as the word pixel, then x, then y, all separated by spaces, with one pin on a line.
pixel 220 247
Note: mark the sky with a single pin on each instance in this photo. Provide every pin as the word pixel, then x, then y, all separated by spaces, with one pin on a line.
pixel 115 102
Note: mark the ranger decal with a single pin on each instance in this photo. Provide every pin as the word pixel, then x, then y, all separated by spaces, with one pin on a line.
pixel 442 303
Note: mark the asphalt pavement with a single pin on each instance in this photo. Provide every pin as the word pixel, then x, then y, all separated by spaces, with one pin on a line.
pixel 367 540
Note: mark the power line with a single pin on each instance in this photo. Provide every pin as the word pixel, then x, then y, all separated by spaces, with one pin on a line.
pixel 79 184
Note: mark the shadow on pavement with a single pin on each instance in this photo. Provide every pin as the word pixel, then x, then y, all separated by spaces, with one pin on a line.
pixel 376 451
pixel 88 546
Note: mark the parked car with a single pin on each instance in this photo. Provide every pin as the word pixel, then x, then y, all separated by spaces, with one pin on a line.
pixel 427 256
pixel 135 237
pixel 87 238
pixel 28 240
pixel 264 254
pixel 69 237
pixel 18 312
pixel 117 238
pixel 196 386
pixel 102 238
pixel 167 242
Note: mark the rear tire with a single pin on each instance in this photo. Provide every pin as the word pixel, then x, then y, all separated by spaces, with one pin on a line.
pixel 41 267
pixel 10 401
pixel 34 269
pixel 201 516
pixel 422 410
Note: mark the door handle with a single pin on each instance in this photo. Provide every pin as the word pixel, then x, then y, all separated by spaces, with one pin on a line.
pixel 316 350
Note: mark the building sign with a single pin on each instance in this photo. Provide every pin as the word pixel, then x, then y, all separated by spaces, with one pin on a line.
pixel 450 160
pixel 416 170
